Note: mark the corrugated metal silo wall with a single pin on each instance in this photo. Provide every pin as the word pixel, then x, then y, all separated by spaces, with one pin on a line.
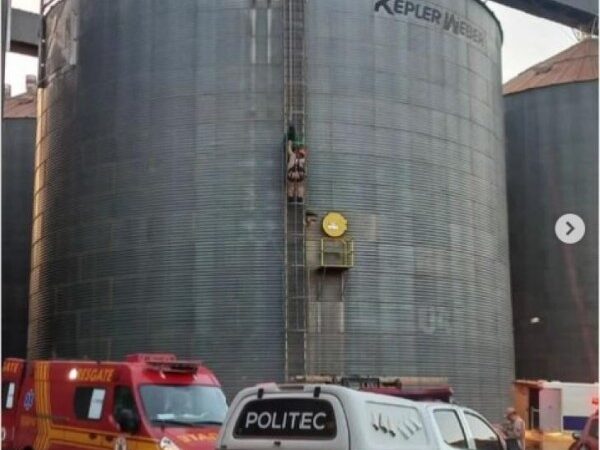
pixel 405 134
pixel 18 146
pixel 159 221
pixel 552 167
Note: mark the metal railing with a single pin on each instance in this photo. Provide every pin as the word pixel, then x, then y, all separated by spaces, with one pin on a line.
pixel 337 253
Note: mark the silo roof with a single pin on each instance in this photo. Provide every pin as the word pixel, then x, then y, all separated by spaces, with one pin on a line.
pixel 20 107
pixel 575 64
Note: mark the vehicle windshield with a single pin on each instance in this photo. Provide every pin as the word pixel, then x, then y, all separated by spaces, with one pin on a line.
pixel 184 405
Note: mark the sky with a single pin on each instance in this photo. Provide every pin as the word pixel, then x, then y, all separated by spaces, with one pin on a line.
pixel 527 41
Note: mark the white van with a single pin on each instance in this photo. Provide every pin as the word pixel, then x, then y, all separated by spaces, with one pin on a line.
pixel 330 417
pixel 554 406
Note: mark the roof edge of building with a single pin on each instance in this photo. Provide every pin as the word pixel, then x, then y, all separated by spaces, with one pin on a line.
pixel 546 86
pixel 549 72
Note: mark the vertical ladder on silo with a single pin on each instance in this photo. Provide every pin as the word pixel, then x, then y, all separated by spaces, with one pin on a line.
pixel 295 273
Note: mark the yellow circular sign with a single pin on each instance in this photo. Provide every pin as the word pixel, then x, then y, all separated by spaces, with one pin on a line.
pixel 334 224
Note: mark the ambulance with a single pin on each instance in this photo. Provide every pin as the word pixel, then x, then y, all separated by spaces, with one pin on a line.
pixel 147 402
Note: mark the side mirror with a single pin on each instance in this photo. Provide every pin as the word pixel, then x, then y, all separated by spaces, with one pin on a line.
pixel 576 435
pixel 128 421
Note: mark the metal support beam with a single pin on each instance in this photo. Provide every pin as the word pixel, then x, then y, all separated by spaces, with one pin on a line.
pixel 580 14
pixel 24 28
pixel 5 9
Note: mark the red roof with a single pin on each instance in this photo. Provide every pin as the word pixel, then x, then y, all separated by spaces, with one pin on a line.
pixel 575 64
pixel 20 106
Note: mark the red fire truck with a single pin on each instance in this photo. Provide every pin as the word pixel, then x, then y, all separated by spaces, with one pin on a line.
pixel 147 402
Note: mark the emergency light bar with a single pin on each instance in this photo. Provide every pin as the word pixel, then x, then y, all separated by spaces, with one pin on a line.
pixel 414 388
pixel 182 367
pixel 165 362
pixel 347 381
pixel 151 357
pixel 354 381
pixel 371 381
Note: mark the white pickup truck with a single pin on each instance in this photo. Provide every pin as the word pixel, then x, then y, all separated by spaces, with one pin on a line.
pixel 330 417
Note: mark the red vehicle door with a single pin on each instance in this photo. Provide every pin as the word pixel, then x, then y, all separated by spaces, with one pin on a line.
pixel 12 380
pixel 77 398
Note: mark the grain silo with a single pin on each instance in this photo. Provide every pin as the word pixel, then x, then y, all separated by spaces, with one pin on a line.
pixel 158 222
pixel 161 217
pixel 18 148
pixel 552 170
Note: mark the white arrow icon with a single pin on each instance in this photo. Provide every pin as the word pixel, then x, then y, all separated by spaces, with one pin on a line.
pixel 569 228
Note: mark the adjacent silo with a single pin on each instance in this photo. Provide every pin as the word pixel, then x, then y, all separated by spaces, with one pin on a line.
pixel 18 148
pixel 158 205
pixel 552 169
pixel 160 216
pixel 405 134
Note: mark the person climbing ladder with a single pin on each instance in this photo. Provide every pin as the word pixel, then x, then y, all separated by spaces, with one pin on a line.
pixel 296 168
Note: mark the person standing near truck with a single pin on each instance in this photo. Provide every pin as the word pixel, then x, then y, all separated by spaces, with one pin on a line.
pixel 514 430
